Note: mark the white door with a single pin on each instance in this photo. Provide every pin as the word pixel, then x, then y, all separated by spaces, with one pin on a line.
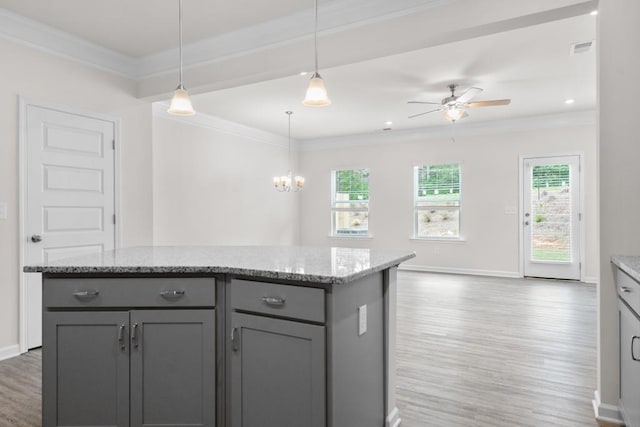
pixel 551 217
pixel 69 202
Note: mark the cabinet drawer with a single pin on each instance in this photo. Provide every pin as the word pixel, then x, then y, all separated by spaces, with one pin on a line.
pixel 279 300
pixel 628 289
pixel 129 292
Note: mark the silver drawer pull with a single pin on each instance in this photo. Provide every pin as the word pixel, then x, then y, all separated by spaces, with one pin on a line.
pixel 633 356
pixel 121 336
pixel 624 289
pixel 275 301
pixel 172 294
pixel 86 294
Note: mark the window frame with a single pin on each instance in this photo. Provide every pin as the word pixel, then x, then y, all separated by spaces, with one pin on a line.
pixel 418 209
pixel 334 209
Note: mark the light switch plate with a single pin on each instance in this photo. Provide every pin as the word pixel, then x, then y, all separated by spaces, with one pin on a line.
pixel 362 319
pixel 3 210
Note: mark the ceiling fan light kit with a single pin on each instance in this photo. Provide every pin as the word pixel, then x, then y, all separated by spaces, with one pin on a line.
pixel 180 103
pixel 454 107
pixel 316 95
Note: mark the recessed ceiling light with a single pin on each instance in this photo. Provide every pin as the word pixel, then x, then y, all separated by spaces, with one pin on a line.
pixel 569 101
pixel 389 123
pixel 303 73
pixel 593 13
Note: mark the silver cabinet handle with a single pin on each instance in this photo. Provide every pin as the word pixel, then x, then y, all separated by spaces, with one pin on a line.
pixel 172 294
pixel 134 335
pixel 234 339
pixel 36 238
pixel 275 301
pixel 624 289
pixel 633 338
pixel 121 336
pixel 86 294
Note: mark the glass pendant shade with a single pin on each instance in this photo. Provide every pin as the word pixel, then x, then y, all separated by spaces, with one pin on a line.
pixel 454 113
pixel 316 92
pixel 181 104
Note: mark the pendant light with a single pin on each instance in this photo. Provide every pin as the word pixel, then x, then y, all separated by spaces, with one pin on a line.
pixel 316 92
pixel 180 103
pixel 287 183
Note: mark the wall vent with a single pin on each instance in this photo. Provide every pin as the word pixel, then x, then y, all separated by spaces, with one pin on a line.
pixel 581 47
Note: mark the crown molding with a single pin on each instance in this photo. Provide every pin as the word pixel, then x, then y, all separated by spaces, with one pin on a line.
pixel 51 40
pixel 335 17
pixel 217 124
pixel 493 127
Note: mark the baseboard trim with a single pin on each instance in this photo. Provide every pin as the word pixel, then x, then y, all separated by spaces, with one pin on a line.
pixel 589 279
pixel 454 270
pixel 605 412
pixel 393 419
pixel 9 352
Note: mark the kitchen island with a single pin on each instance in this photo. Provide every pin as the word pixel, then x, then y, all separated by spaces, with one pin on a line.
pixel 221 336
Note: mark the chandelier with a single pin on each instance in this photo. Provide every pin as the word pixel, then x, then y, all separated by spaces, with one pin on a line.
pixel 288 182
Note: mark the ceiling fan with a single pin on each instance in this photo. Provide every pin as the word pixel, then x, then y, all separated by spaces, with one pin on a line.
pixel 454 106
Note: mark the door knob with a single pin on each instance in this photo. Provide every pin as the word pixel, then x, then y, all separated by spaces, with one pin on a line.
pixel 36 238
pixel 526 223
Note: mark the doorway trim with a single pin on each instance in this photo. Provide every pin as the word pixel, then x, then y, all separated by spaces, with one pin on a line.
pixel 23 103
pixel 521 158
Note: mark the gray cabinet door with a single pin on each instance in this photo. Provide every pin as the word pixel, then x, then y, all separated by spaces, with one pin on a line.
pixel 277 373
pixel 629 368
pixel 173 368
pixel 85 369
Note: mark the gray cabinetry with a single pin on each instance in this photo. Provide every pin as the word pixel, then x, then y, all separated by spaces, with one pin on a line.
pixel 277 373
pixel 172 368
pixel 107 363
pixel 629 365
pixel 86 369
pixel 629 347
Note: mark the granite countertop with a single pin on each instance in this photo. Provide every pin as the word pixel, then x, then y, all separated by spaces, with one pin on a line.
pixel 299 263
pixel 628 264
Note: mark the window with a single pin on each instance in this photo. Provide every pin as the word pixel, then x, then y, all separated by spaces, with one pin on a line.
pixel 350 202
pixel 437 201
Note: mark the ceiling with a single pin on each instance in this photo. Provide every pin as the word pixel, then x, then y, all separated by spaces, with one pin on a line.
pixel 531 65
pixel 115 24
pixel 506 50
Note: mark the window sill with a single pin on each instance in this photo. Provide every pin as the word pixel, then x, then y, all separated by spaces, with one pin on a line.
pixel 458 240
pixel 346 236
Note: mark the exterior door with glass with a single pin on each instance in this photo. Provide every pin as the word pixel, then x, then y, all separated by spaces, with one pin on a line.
pixel 551 217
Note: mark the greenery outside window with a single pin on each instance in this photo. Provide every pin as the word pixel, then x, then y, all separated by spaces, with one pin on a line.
pixel 437 202
pixel 350 202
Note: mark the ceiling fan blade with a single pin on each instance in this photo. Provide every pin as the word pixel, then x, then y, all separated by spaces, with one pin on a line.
pixel 423 102
pixel 471 93
pixel 493 103
pixel 426 112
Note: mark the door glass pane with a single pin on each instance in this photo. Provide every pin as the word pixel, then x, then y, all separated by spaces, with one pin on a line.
pixel 550 213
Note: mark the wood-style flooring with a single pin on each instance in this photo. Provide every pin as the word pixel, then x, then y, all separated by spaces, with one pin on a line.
pixel 484 351
pixel 472 351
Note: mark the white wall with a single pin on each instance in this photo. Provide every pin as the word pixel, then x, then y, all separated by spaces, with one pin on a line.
pixel 216 188
pixel 619 151
pixel 489 184
pixel 40 76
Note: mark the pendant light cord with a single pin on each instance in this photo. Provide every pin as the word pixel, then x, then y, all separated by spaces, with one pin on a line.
pixel 289 113
pixel 180 20
pixel 315 37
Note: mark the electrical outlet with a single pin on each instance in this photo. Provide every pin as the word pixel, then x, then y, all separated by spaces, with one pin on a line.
pixel 362 319
pixel 3 210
